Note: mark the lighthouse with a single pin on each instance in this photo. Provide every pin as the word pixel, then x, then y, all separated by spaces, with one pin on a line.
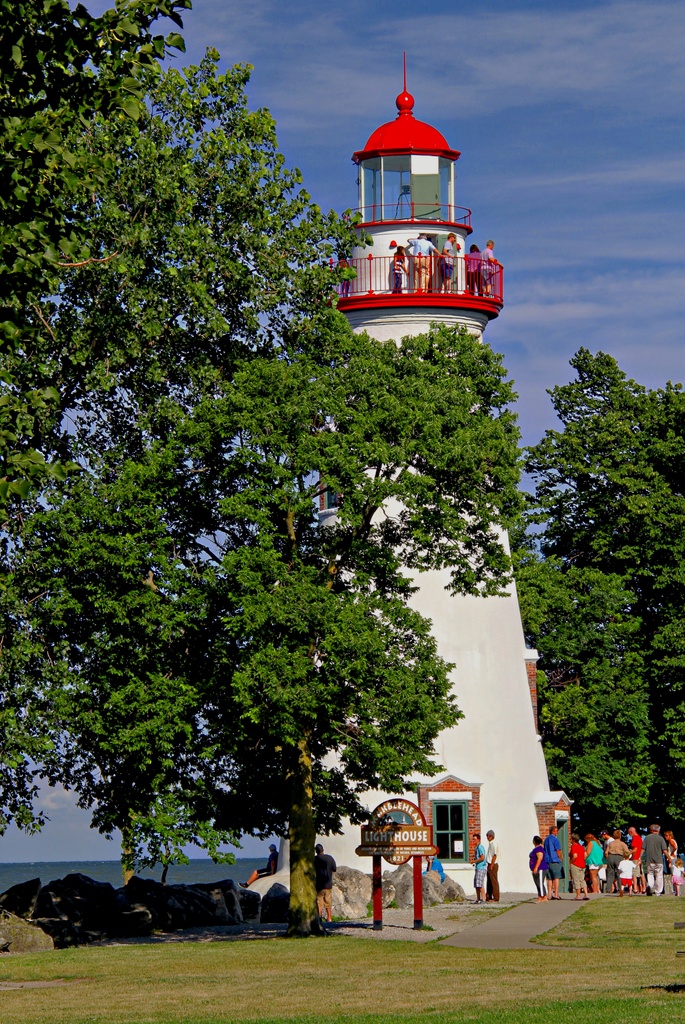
pixel 417 271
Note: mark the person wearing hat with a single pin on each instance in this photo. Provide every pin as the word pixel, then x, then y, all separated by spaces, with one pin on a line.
pixel 655 846
pixel 270 869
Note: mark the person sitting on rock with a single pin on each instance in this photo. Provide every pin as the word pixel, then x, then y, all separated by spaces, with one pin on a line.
pixel 435 865
pixel 270 869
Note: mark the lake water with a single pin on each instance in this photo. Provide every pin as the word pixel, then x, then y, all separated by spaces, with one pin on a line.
pixel 110 871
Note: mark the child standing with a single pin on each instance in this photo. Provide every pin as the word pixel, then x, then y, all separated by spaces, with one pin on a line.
pixel 677 876
pixel 399 268
pixel 625 872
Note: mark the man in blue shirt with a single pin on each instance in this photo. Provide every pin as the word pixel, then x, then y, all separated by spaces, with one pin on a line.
pixel 552 848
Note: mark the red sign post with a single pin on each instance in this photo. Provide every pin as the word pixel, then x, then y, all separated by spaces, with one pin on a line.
pixel 397 831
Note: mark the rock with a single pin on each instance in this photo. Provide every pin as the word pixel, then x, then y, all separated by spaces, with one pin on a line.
pixel 432 889
pixel 403 881
pixel 250 902
pixel 62 932
pixel 434 892
pixel 135 921
pixel 202 904
pixel 389 894
pixel 351 893
pixel 19 936
pixel 178 906
pixel 452 891
pixel 231 895
pixel 167 913
pixel 275 905
pixel 20 899
pixel 78 909
pixel 59 915
pixel 222 894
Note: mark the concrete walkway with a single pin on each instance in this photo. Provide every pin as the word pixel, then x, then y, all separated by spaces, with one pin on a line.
pixel 516 927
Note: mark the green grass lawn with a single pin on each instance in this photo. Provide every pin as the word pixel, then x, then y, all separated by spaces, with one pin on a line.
pixel 614 959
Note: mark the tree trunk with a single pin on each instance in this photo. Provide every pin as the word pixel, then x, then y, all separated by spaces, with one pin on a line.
pixel 126 850
pixel 303 917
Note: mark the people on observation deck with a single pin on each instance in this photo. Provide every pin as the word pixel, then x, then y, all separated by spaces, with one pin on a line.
pixel 488 265
pixel 449 251
pixel 423 253
pixel 400 271
pixel 474 281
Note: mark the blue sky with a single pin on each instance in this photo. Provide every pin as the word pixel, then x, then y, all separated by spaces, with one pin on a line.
pixel 569 118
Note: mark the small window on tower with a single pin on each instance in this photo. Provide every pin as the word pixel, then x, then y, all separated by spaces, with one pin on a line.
pixel 329 499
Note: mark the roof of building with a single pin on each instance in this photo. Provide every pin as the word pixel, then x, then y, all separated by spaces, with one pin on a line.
pixel 406 134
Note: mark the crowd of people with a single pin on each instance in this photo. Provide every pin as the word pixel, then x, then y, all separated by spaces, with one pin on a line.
pixel 606 864
pixel 419 266
pixel 434 270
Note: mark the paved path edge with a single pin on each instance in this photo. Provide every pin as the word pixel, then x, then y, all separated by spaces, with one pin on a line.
pixel 514 928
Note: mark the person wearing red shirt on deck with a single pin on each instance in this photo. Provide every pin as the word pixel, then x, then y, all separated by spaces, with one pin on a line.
pixel 576 858
pixel 636 857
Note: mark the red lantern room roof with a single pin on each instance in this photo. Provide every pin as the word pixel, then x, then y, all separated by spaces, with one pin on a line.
pixel 406 135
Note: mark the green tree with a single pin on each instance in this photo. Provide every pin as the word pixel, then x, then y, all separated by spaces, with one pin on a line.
pixel 207 226
pixel 115 664
pixel 59 68
pixel 330 680
pixel 603 600
pixel 277 668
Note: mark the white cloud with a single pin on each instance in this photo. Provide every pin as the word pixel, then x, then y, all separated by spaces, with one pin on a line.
pixel 466 62
pixel 653 171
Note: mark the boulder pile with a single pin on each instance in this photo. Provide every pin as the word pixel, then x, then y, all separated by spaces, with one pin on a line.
pixel 77 909
pixel 352 891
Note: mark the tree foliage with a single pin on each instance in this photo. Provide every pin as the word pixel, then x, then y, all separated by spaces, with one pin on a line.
pixel 59 68
pixel 194 200
pixel 212 652
pixel 603 598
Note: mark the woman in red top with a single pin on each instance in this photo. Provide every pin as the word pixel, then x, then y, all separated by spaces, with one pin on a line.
pixel 577 862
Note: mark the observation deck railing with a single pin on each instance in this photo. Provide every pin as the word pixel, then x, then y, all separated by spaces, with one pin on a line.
pixel 438 276
pixel 407 211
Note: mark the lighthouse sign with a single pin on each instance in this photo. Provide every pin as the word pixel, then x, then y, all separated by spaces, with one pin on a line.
pixel 397 831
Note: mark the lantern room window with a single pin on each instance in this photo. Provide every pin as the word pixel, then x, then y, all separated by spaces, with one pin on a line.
pixel 396 188
pixel 414 186
pixel 370 187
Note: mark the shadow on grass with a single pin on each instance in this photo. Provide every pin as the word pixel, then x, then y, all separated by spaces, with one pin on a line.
pixel 663 988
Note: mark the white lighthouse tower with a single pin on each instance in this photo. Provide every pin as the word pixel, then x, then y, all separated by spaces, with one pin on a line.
pixel 494 769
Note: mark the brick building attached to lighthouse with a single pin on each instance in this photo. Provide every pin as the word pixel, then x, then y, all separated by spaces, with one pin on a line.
pixel 494 775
